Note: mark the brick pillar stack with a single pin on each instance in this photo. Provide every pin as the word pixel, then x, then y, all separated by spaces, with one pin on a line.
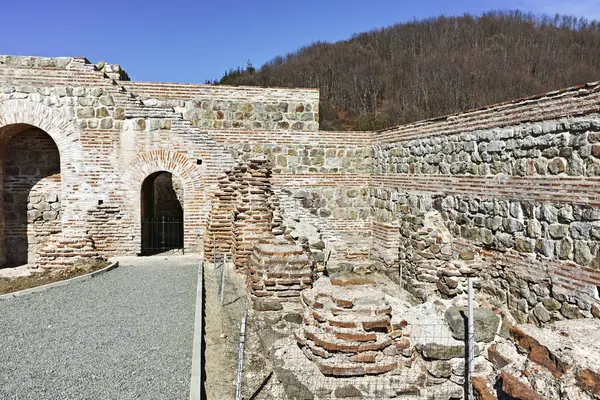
pixel 279 270
pixel 253 217
pixel 245 210
pixel 277 227
pixel 348 329
pixel 220 226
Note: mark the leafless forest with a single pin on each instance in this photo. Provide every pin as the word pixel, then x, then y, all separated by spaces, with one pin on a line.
pixel 422 69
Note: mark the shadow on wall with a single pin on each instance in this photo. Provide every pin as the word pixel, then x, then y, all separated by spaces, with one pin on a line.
pixel 31 193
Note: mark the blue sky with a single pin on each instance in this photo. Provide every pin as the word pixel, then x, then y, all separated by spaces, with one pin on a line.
pixel 191 41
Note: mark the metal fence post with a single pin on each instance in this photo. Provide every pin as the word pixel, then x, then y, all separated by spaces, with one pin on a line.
pixel 471 338
pixel 238 380
pixel 222 279
pixel 163 234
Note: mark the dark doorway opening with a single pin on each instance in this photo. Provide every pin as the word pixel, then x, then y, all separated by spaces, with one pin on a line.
pixel 31 203
pixel 162 214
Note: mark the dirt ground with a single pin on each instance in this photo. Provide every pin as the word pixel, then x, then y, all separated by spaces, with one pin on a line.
pixel 222 337
pixel 41 277
pixel 222 326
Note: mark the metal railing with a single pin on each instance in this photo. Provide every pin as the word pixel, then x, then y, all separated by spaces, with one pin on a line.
pixel 162 234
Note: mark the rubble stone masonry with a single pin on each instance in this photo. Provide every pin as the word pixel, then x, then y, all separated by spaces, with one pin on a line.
pixel 516 186
pixel 510 191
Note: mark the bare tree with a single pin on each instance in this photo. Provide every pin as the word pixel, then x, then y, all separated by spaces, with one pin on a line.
pixel 422 69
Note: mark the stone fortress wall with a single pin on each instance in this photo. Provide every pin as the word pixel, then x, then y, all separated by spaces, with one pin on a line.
pixel 512 187
pixel 507 192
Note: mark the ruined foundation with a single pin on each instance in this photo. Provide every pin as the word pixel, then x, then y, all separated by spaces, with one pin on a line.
pixel 348 328
pixel 508 195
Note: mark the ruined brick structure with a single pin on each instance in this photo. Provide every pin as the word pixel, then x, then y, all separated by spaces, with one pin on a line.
pixel 512 189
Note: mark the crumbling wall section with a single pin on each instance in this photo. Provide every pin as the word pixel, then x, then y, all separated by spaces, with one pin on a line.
pixel 245 210
pixel 514 188
pixel 321 179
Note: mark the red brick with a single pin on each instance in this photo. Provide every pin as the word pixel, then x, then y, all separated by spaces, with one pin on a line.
pixel 340 371
pixel 482 390
pixel 517 389
pixel 345 303
pixel 538 353
pixel 342 324
pixel 379 324
pixel 356 337
pixel 589 381
pixel 364 358
pixel 375 346
pixel 380 368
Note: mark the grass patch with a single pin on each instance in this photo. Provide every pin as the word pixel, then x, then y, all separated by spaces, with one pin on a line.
pixel 44 276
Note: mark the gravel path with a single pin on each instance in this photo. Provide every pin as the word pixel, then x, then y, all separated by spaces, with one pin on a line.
pixel 126 334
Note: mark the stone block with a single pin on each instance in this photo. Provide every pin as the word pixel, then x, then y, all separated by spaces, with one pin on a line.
pixel 538 353
pixel 436 351
pixel 516 389
pixel 486 323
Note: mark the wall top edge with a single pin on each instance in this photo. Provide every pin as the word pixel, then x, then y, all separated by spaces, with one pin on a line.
pixel 579 90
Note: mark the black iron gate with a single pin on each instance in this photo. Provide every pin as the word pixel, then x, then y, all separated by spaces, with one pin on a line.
pixel 162 234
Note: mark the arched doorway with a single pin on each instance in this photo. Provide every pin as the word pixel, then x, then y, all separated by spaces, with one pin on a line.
pixel 162 213
pixel 31 193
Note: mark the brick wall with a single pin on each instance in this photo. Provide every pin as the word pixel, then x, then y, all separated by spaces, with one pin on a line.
pixel 112 134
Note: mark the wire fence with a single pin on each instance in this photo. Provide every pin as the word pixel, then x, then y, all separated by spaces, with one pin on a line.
pixel 433 369
pixel 435 366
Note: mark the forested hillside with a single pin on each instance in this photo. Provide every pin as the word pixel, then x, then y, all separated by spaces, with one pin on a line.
pixel 429 68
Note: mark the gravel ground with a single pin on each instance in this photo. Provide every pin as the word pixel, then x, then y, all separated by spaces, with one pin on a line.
pixel 126 334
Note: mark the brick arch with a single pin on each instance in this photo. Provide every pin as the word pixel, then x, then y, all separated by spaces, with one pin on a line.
pixel 186 171
pixel 17 115
pixel 65 133
pixel 163 160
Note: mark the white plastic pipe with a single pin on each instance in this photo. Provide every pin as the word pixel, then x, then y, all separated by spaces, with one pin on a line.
pixel 238 380
pixel 471 337
pixel 222 286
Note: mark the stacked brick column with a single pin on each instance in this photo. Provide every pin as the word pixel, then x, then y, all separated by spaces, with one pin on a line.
pixel 279 270
pixel 219 235
pixel 252 214
pixel 64 251
pixel 245 210
pixel 347 329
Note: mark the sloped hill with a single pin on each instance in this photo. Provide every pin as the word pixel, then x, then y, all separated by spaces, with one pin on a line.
pixel 422 69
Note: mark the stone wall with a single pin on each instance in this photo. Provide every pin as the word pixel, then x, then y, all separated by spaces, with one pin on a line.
pixel 248 108
pixel 517 197
pixel 123 131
